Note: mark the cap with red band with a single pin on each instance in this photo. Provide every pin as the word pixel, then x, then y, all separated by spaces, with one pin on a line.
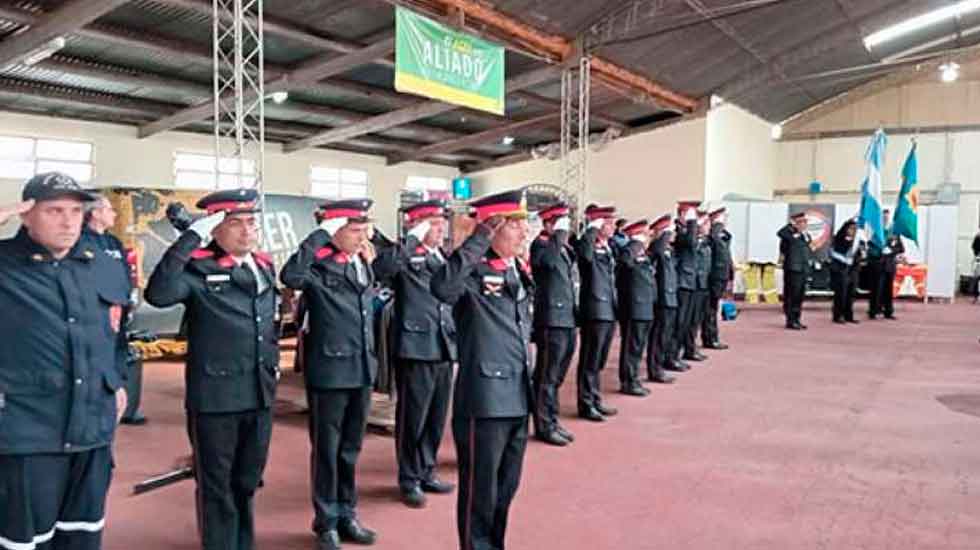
pixel 509 204
pixel 661 223
pixel 232 201
pixel 684 206
pixel 636 227
pixel 594 212
pixel 354 209
pixel 428 209
pixel 554 211
pixel 717 212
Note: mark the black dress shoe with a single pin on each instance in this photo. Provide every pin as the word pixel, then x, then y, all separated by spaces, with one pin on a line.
pixel 662 378
pixel 715 345
pixel 891 317
pixel 802 326
pixel 677 366
pixel 565 433
pixel 328 540
pixel 414 497
pixel 854 321
pixel 606 411
pixel 592 414
pixel 840 321
pixel 634 391
pixel 352 531
pixel 794 326
pixel 552 438
pixel 135 420
pixel 436 485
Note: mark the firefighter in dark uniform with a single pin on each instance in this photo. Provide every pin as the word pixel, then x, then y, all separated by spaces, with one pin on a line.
pixel 229 295
pixel 686 245
pixel 60 377
pixel 100 216
pixel 491 289
pixel 424 349
pixel 795 246
pixel 597 302
pixel 702 291
pixel 883 262
pixel 555 305
pixel 720 241
pixel 333 269
pixel 662 346
pixel 637 291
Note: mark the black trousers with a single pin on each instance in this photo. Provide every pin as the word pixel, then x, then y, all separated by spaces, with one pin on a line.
pixel 633 339
pixel 662 349
pixel 338 419
pixel 54 501
pixel 134 389
pixel 794 290
pixel 596 338
pixel 424 388
pixel 555 348
pixel 490 454
pixel 686 309
pixel 709 325
pixel 700 305
pixel 881 299
pixel 843 286
pixel 230 452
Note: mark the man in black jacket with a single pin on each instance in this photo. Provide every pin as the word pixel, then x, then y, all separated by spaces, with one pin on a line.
pixel 333 269
pixel 794 246
pixel 491 289
pixel 883 264
pixel 553 266
pixel 424 349
pixel 720 241
pixel 229 295
pixel 637 290
pixel 702 289
pixel 60 377
pixel 598 302
pixel 687 259
pixel 662 346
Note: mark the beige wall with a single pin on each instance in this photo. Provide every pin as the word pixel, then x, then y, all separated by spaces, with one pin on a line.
pixel 643 175
pixel 123 160
pixel 740 155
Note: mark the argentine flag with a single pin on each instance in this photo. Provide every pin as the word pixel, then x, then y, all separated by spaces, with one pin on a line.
pixel 869 216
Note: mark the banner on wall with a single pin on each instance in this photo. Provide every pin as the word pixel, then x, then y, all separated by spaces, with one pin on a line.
pixel 436 61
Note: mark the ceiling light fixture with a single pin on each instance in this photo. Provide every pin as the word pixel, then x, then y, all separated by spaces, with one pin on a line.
pixel 508 140
pixel 949 71
pixel 47 50
pixel 920 22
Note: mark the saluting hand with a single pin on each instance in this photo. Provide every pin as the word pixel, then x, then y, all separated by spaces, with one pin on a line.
pixel 9 211
pixel 494 223
pixel 367 251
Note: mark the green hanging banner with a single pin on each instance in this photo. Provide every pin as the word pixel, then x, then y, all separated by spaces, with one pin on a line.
pixel 436 61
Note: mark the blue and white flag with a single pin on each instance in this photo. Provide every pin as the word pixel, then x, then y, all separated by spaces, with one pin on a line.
pixel 869 216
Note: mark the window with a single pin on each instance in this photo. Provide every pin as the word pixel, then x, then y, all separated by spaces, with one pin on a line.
pixel 22 158
pixel 432 186
pixel 338 183
pixel 197 171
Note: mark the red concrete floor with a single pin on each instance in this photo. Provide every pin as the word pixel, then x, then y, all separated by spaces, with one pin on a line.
pixel 837 438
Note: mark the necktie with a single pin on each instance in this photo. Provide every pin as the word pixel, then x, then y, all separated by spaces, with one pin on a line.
pixel 243 275
pixel 359 270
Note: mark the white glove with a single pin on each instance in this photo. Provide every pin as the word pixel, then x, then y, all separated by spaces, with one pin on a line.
pixel 886 250
pixel 332 225
pixel 690 214
pixel 597 223
pixel 640 238
pixel 204 226
pixel 563 223
pixel 420 230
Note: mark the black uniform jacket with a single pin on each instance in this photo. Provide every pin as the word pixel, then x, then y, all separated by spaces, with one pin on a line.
pixel 339 349
pixel 59 369
pixel 686 255
pixel 553 265
pixel 795 248
pixel 492 309
pixel 232 339
pixel 636 280
pixel 665 271
pixel 597 267
pixel 722 267
pixel 424 328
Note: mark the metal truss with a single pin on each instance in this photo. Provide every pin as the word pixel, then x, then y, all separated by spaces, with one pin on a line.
pixel 239 93
pixel 576 91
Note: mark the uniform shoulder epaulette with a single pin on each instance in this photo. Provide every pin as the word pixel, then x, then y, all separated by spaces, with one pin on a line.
pixel 525 266
pixel 226 262
pixel 497 264
pixel 420 249
pixel 202 254
pixel 543 237
pixel 324 252
pixel 263 259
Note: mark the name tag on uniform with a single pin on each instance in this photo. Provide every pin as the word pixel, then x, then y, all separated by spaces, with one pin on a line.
pixel 641 259
pixel 417 259
pixel 601 251
pixel 219 278
pixel 492 285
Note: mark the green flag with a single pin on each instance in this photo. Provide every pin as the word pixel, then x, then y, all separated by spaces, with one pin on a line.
pixel 906 220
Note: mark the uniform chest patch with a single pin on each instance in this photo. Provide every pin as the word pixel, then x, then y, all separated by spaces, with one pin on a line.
pixel 218 278
pixel 492 285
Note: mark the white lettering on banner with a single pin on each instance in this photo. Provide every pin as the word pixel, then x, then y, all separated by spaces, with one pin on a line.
pixel 446 58
pixel 269 242
pixel 286 230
